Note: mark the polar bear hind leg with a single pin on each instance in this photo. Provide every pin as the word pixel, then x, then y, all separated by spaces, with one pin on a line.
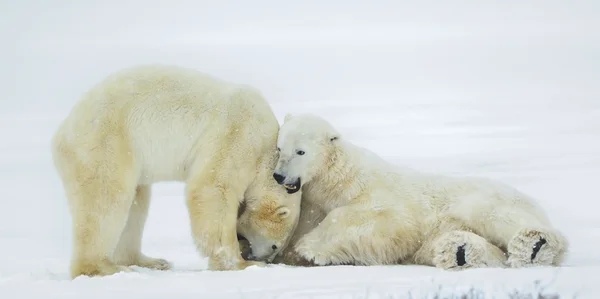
pixel 536 247
pixel 526 235
pixel 452 245
pixel 359 236
pixel 128 252
pixel 100 184
pixel 512 221
pixel 462 249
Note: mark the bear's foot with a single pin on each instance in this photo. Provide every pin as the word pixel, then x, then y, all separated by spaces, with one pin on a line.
pixel 96 268
pixel 241 264
pixel 457 256
pixel 311 253
pixel 532 247
pixel 246 264
pixel 311 256
pixel 151 263
pixel 462 250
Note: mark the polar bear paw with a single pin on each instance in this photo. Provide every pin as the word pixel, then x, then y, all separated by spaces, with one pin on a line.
pixel 97 268
pixel 228 264
pixel 293 258
pixel 312 252
pixel 152 263
pixel 141 260
pixel 532 247
pixel 247 264
pixel 459 250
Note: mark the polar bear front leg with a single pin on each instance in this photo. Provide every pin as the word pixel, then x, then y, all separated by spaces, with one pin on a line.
pixel 310 217
pixel 360 236
pixel 213 201
pixel 456 250
pixel 128 252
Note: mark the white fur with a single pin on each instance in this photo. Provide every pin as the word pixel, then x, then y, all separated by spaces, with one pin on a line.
pixel 150 124
pixel 377 213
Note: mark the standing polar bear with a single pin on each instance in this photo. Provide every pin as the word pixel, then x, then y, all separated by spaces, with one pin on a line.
pixel 376 213
pixel 149 124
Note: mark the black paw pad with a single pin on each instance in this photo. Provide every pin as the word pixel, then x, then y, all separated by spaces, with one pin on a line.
pixel 537 247
pixel 460 255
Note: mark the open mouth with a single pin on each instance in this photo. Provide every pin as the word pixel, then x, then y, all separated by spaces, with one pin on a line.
pixel 245 247
pixel 293 188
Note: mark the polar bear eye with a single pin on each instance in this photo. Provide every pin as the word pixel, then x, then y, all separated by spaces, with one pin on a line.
pixel 300 153
pixel 278 149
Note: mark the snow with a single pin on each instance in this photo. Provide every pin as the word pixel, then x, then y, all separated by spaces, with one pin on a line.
pixel 508 91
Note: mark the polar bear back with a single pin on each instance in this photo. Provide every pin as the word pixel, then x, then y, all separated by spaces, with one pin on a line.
pixel 171 115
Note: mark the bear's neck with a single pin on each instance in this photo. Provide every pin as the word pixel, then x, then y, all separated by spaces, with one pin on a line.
pixel 339 183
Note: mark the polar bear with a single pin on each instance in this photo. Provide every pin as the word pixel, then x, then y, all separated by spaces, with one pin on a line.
pixel 377 213
pixel 154 123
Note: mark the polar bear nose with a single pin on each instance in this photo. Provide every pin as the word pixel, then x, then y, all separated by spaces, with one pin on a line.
pixel 279 178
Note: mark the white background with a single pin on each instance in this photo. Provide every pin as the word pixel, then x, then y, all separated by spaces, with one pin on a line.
pixel 508 90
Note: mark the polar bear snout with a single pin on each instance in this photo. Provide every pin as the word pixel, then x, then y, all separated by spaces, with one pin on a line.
pixel 279 178
pixel 246 250
pixel 257 254
pixel 291 187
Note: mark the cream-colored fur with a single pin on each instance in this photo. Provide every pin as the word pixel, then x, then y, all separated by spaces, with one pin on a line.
pixel 377 213
pixel 268 222
pixel 150 124
pixel 310 216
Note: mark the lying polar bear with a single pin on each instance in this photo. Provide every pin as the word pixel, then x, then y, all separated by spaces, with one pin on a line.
pixel 376 213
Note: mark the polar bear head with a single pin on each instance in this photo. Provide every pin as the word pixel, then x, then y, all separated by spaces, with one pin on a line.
pixel 305 144
pixel 267 217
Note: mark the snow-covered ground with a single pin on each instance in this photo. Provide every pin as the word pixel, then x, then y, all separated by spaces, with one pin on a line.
pixel 508 90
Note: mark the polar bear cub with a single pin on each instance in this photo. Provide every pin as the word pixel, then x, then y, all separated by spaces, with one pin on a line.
pixel 149 124
pixel 377 213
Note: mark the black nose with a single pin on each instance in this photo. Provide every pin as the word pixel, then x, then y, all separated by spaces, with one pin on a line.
pixel 274 247
pixel 279 178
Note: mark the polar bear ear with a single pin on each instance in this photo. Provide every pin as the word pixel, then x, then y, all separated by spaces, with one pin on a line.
pixel 287 117
pixel 283 212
